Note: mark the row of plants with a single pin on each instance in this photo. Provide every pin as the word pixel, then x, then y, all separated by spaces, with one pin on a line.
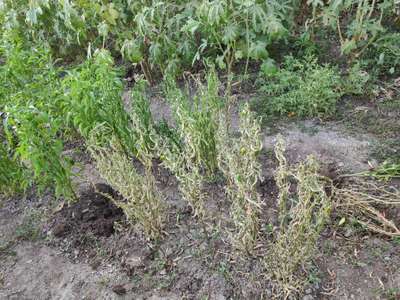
pixel 45 103
pixel 170 37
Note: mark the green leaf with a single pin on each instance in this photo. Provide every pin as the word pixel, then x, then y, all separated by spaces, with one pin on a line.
pixel 230 33
pixel 269 68
pixel 191 26
pixel 220 62
pixel 239 54
pixel 348 46
pixel 258 50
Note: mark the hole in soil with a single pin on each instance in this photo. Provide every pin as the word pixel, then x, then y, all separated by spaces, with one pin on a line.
pixel 93 213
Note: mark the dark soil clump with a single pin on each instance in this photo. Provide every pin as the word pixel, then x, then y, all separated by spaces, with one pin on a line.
pixel 94 213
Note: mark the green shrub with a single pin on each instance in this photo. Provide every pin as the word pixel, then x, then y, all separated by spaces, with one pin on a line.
pixel 355 82
pixel 166 36
pixel 13 177
pixel 384 54
pixel 302 88
pixel 32 117
pixel 357 23
pixel 93 97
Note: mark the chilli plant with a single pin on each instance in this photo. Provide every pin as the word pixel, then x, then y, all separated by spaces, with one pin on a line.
pixel 32 119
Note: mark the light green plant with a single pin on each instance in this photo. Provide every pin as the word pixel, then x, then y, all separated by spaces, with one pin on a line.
pixel 356 80
pixel 238 160
pixel 302 88
pixel 92 96
pixel 32 118
pixel 13 177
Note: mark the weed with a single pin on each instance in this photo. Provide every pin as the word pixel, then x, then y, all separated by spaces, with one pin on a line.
pixel 385 171
pixel 356 80
pixel 302 88
pixel 29 229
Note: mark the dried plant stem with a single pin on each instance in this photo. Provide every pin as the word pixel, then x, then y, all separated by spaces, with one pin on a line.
pixel 238 159
pixel 143 203
pixel 363 200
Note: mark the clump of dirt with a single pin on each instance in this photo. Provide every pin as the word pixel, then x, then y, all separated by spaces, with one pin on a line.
pixel 94 213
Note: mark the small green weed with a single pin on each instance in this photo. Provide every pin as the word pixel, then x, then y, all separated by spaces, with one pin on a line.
pixel 29 229
pixel 301 88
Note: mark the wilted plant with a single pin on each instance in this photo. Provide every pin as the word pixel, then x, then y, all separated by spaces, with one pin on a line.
pixel 143 203
pixel 304 217
pixel 196 157
pixel 189 174
pixel 365 202
pixel 238 160
pixel 142 124
pixel 282 174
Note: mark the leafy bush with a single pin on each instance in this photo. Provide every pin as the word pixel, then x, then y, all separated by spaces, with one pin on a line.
pixel 357 23
pixel 158 35
pixel 354 83
pixel 13 178
pixel 68 27
pixel 92 98
pixel 384 54
pixel 302 88
pixel 32 118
